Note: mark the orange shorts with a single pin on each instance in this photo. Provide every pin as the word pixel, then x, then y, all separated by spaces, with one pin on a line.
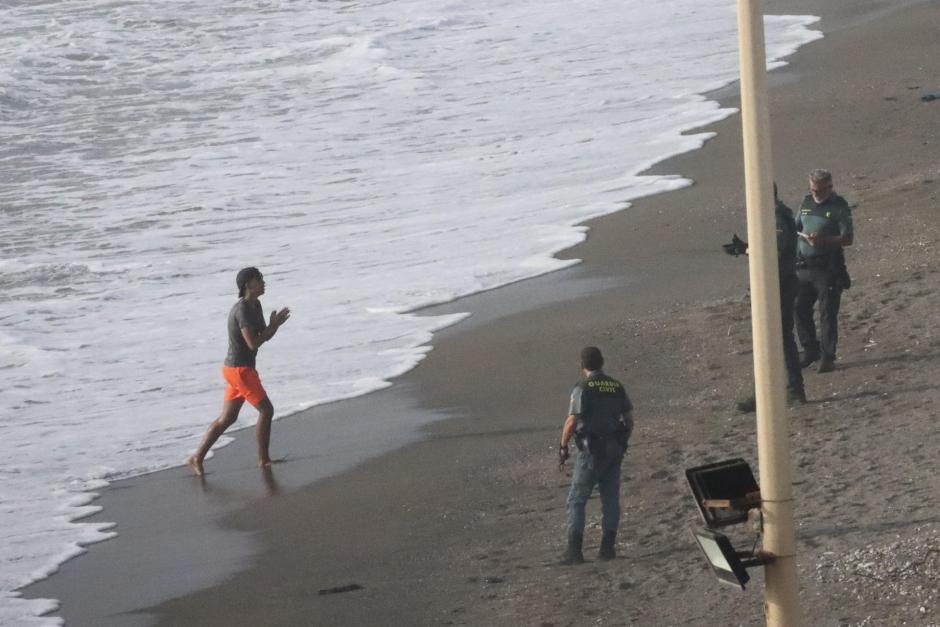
pixel 243 383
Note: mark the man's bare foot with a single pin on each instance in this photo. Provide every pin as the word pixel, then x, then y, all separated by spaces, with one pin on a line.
pixel 196 465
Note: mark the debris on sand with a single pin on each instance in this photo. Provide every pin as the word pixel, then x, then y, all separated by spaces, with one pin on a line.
pixel 904 572
pixel 340 589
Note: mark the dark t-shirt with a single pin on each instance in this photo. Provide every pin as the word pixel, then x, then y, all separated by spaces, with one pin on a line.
pixel 786 240
pixel 600 401
pixel 243 314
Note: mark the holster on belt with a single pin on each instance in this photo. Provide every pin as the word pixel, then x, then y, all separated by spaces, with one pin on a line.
pixel 816 262
pixel 833 263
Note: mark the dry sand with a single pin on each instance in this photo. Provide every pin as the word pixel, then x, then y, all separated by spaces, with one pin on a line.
pixel 464 527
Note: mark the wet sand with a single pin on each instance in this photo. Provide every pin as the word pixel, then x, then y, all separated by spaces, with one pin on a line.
pixel 464 525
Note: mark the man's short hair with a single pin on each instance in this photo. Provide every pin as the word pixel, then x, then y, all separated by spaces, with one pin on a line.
pixel 591 358
pixel 244 275
pixel 820 176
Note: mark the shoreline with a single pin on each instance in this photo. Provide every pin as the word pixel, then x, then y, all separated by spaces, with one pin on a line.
pixel 598 280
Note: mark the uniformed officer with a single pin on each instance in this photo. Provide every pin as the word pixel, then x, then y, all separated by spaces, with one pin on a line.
pixel 600 418
pixel 789 285
pixel 825 225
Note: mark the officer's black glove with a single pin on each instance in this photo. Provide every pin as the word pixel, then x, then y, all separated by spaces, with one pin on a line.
pixel 563 456
pixel 736 247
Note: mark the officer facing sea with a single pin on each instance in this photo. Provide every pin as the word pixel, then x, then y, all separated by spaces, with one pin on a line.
pixel 600 419
pixel 825 225
pixel 789 286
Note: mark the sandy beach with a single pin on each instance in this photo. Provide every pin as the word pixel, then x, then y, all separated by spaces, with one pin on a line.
pixel 464 523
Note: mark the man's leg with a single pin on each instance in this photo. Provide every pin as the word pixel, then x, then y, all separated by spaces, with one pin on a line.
pixel 608 485
pixel 225 420
pixel 263 430
pixel 830 298
pixel 805 325
pixel 582 483
pixel 791 356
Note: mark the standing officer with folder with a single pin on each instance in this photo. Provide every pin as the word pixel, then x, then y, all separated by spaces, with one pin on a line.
pixel 824 222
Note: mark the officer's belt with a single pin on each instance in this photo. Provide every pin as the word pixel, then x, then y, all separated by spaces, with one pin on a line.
pixel 816 262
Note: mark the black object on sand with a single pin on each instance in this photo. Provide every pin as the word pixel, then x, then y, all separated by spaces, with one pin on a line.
pixel 340 589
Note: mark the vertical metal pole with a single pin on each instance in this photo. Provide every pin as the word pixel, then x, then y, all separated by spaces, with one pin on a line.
pixel 782 604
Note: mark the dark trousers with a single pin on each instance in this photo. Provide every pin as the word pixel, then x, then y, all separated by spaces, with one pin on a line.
pixel 789 286
pixel 604 472
pixel 816 285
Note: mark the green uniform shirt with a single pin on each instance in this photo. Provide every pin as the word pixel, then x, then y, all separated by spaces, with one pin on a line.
pixel 601 402
pixel 832 217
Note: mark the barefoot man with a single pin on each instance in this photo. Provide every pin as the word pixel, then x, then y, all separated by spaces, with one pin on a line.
pixel 246 332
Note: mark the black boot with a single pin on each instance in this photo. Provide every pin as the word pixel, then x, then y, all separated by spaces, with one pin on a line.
pixel 746 405
pixel 796 395
pixel 573 553
pixel 809 356
pixel 608 552
pixel 826 364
